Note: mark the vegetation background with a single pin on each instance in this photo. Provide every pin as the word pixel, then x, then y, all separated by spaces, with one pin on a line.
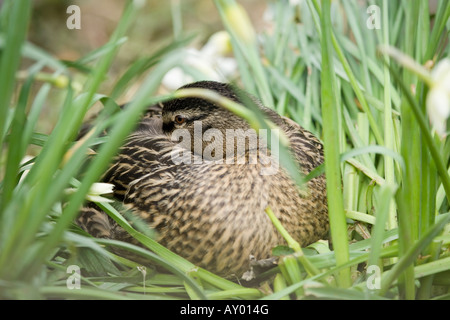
pixel 364 91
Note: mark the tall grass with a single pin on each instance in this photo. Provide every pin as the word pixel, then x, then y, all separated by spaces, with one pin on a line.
pixel 321 65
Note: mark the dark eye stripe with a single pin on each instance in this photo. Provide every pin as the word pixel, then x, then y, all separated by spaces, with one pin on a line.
pixel 199 117
pixel 171 125
pixel 168 126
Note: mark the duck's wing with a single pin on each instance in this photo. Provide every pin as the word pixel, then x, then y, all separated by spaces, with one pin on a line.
pixel 139 156
pixel 306 146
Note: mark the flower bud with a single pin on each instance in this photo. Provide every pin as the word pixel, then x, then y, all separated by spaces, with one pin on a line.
pixel 438 98
pixel 239 22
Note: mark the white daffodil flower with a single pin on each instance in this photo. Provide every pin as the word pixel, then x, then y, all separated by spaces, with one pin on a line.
pixel 438 98
pixel 438 81
pixel 97 189
pixel 210 62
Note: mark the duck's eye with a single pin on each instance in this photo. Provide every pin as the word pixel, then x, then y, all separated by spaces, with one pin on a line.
pixel 179 119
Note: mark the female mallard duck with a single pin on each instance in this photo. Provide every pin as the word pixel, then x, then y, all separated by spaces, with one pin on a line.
pixel 212 212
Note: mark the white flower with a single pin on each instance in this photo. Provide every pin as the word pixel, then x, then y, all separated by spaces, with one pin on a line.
pixel 218 44
pixel 209 63
pixel 438 99
pixel 99 188
pixel 294 3
pixel 95 192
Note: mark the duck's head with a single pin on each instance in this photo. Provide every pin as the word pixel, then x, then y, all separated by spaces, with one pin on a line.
pixel 216 127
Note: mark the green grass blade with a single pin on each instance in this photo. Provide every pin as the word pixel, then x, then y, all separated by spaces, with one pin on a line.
pixel 406 260
pixel 338 224
pixel 16 24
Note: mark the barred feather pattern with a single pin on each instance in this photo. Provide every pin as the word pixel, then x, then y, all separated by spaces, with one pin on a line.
pixel 213 213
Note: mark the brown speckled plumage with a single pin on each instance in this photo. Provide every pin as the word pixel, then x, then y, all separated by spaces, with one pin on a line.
pixel 212 213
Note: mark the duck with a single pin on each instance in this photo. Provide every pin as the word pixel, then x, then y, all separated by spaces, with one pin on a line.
pixel 204 193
